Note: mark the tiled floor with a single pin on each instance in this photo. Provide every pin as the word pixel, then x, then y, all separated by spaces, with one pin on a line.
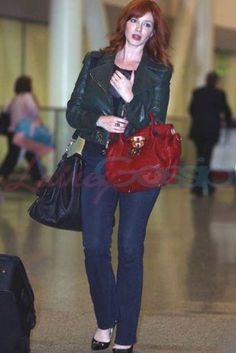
pixel 189 300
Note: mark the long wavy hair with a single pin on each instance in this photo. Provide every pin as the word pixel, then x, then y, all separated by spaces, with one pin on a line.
pixel 157 45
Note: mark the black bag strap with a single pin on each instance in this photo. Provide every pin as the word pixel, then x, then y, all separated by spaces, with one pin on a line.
pixel 75 135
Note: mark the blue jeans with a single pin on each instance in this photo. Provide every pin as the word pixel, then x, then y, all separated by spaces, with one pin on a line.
pixel 116 299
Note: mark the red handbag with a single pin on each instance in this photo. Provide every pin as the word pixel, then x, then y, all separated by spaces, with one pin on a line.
pixel 147 159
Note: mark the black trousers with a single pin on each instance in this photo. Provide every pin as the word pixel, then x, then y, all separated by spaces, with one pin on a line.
pixel 202 178
pixel 11 159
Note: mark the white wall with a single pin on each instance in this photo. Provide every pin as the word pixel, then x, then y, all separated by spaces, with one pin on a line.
pixel 224 10
pixel 225 13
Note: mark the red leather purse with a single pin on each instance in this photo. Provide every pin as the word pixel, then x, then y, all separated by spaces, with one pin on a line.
pixel 147 159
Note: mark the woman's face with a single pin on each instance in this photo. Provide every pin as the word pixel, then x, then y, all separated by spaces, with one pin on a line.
pixel 139 29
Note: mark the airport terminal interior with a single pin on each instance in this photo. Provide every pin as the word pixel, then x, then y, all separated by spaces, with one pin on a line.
pixel 189 295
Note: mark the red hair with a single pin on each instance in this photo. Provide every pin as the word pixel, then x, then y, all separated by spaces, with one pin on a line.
pixel 157 45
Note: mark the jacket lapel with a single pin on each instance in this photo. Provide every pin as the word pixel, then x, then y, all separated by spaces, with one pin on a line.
pixel 103 71
pixel 145 76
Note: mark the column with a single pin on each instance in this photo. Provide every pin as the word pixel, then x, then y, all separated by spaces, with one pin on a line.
pixel 65 48
pixel 204 40
pixel 182 35
pixel 65 57
pixel 96 24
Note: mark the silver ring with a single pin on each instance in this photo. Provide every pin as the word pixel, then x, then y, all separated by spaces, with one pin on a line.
pixel 117 124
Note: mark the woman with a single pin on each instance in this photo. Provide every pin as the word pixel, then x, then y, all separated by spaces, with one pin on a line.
pixel 23 105
pixel 127 79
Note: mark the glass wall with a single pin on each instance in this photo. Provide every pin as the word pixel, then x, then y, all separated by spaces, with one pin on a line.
pixel 11 49
pixel 24 50
pixel 36 59
pixel 225 63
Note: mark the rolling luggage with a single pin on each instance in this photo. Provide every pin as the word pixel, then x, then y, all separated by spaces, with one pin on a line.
pixel 224 153
pixel 17 313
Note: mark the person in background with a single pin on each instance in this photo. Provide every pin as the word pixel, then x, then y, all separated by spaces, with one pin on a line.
pixel 23 105
pixel 207 108
pixel 130 79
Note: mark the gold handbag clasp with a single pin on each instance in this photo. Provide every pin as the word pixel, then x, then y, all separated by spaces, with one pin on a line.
pixel 137 143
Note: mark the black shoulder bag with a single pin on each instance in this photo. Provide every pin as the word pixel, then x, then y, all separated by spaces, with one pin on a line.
pixel 58 201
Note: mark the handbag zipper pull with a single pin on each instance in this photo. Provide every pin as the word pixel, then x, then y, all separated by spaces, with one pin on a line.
pixel 107 144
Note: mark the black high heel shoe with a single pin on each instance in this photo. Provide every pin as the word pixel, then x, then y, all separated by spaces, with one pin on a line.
pixel 98 345
pixel 119 350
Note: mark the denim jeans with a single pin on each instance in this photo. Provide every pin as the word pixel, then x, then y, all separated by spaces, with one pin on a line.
pixel 202 176
pixel 116 298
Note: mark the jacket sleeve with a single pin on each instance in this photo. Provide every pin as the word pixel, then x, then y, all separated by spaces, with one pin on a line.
pixel 225 109
pixel 77 114
pixel 137 110
pixel 192 104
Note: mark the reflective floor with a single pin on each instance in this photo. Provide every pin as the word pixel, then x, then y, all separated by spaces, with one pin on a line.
pixel 189 299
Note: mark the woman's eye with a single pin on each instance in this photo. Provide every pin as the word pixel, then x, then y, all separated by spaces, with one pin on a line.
pixel 148 25
pixel 133 20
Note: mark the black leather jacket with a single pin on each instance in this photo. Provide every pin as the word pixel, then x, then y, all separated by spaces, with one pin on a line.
pixel 90 98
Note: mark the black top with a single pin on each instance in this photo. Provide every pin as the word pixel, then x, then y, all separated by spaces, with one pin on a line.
pixel 95 149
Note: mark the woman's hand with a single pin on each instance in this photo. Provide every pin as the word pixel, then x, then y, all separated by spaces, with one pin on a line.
pixel 112 123
pixel 123 85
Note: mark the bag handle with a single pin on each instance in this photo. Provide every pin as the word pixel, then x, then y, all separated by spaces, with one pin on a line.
pixel 73 139
pixel 152 125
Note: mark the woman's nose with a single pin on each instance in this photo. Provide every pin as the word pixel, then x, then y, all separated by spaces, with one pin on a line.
pixel 138 27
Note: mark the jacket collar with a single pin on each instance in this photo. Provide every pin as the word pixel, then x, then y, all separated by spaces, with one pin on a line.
pixel 145 76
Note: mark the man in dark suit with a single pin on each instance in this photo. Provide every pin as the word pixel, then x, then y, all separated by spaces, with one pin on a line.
pixel 207 108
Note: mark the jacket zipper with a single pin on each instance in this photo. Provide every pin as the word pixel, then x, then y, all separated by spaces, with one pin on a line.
pixel 99 84
pixel 123 111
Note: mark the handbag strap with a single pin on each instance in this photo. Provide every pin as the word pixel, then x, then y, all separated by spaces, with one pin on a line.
pixel 152 125
pixel 73 139
pixel 75 135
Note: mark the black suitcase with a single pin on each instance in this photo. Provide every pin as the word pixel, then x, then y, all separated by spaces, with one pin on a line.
pixel 17 312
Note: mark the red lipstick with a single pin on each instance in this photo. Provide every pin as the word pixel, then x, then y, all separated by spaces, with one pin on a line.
pixel 136 36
